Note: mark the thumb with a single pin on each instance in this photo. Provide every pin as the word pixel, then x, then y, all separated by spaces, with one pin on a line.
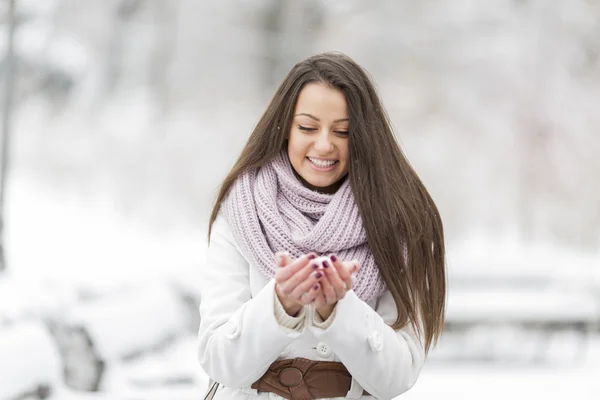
pixel 282 258
pixel 352 266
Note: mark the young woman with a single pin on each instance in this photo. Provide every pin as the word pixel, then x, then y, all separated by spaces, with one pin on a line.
pixel 325 272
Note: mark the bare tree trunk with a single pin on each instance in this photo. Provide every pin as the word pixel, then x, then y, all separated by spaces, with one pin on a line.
pixel 291 29
pixel 125 11
pixel 6 120
pixel 525 192
pixel 273 23
pixel 162 54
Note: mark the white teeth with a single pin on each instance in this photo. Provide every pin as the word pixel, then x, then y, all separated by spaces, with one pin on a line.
pixel 321 163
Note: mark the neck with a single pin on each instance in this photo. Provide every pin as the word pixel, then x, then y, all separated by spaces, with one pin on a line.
pixel 331 189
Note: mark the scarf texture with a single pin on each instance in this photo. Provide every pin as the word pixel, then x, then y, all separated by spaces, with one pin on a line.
pixel 269 210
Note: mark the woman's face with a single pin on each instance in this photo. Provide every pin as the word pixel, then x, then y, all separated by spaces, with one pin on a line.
pixel 318 138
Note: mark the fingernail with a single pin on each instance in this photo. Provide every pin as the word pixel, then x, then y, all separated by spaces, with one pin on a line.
pixel 318 275
pixel 316 287
pixel 355 267
pixel 325 264
pixel 312 256
pixel 333 257
pixel 315 266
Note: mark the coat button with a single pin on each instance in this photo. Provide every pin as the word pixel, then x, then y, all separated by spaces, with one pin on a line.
pixel 323 350
pixel 375 341
pixel 233 331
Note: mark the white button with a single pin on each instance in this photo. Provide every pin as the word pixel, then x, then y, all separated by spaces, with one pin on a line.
pixel 323 350
pixel 375 341
pixel 233 331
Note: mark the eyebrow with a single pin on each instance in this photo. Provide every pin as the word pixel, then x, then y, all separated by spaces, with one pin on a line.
pixel 318 120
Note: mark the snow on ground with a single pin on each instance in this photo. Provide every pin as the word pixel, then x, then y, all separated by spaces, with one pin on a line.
pixel 506 256
pixel 56 244
pixel 32 355
pixel 131 321
pixel 61 239
pixel 478 382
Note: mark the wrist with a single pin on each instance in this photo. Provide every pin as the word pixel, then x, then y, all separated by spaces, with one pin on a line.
pixel 291 307
pixel 325 311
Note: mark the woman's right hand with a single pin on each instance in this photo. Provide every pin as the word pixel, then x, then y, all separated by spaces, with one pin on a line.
pixel 296 281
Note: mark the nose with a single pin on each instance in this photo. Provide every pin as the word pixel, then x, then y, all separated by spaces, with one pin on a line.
pixel 323 143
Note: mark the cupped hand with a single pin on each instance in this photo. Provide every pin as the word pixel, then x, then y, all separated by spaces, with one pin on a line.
pixel 335 284
pixel 297 281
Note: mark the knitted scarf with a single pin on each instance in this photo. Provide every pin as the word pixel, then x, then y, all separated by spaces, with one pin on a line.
pixel 269 210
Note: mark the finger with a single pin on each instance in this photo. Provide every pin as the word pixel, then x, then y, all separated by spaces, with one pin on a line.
pixel 282 274
pixel 306 284
pixel 328 290
pixel 319 300
pixel 333 277
pixel 348 282
pixel 287 258
pixel 290 284
pixel 353 267
pixel 309 296
pixel 282 258
pixel 343 269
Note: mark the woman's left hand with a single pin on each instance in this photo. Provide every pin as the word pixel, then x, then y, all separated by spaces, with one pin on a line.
pixel 336 282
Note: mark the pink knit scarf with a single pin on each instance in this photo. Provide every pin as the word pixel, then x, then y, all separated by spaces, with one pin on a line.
pixel 269 210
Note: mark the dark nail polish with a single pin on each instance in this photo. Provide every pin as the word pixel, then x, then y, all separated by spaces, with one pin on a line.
pixel 312 256
pixel 315 266
pixel 333 257
pixel 318 275
pixel 325 264
pixel 355 267
pixel 316 287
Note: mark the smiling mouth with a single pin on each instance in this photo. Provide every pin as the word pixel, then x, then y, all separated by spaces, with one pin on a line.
pixel 322 163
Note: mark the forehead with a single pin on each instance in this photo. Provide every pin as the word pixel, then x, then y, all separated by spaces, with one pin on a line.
pixel 322 101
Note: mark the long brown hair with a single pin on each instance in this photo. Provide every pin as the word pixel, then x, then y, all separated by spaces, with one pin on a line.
pixel 398 213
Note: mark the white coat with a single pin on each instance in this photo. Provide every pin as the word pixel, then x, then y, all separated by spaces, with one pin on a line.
pixel 239 336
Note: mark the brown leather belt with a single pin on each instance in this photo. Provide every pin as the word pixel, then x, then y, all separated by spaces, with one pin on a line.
pixel 303 379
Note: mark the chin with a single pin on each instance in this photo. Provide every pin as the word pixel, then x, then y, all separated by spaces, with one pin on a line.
pixel 321 185
pixel 318 183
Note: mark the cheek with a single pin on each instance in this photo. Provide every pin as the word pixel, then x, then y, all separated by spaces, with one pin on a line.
pixel 296 145
pixel 346 159
pixel 345 150
pixel 294 153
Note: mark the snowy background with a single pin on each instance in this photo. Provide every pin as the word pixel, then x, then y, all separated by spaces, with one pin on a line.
pixel 127 114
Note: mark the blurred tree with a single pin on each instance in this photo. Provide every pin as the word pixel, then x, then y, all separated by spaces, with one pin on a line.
pixel 9 66
pixel 517 80
pixel 124 12
pixel 273 21
pixel 290 30
pixel 165 12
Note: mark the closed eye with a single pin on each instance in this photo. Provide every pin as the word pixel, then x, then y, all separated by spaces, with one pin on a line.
pixel 307 129
pixel 342 133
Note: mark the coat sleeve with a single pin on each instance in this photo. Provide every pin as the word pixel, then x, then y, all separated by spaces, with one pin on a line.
pixel 239 336
pixel 384 361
